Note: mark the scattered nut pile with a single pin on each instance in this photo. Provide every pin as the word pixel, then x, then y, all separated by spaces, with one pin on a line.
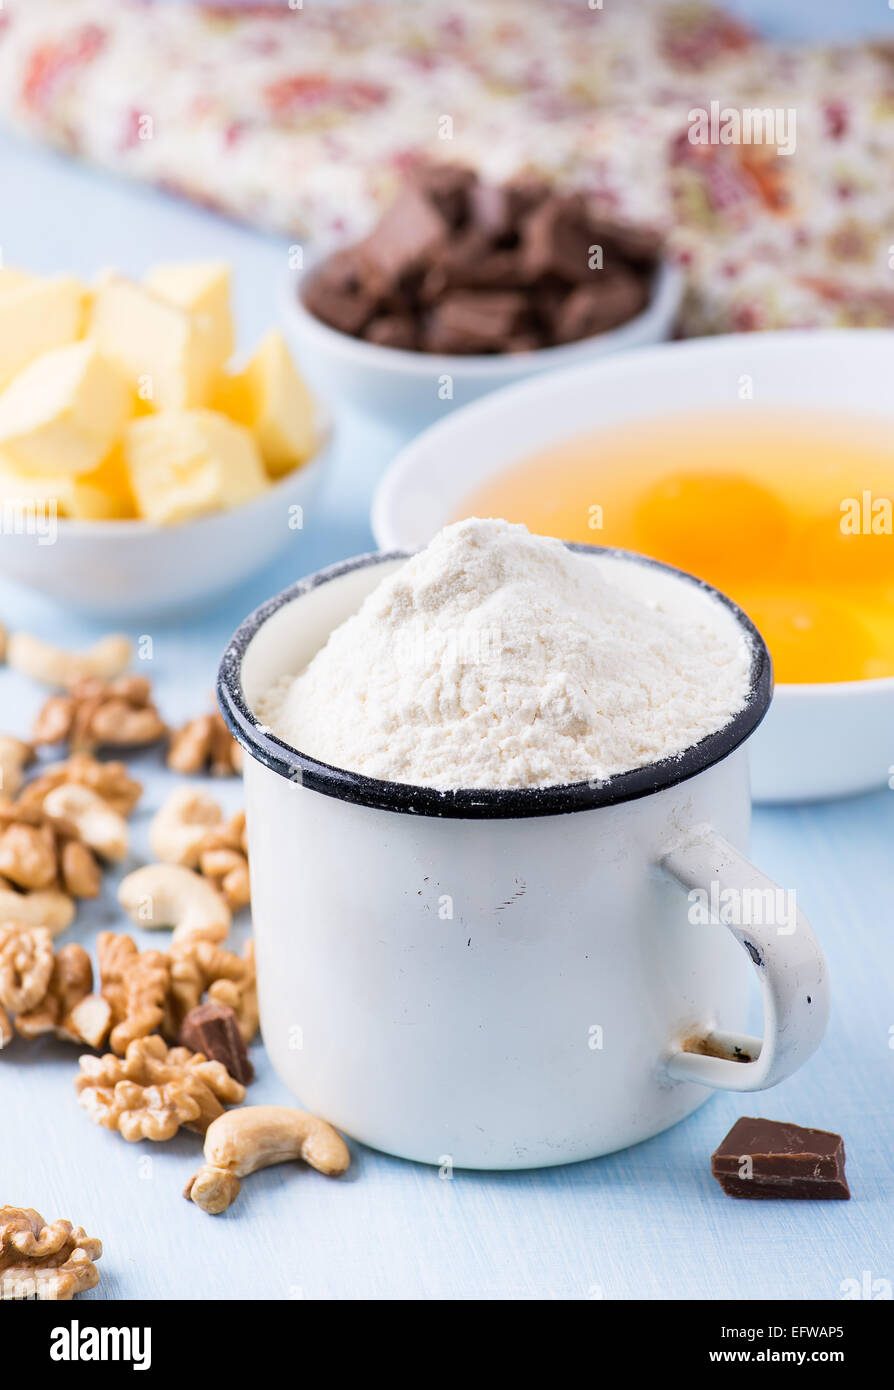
pixel 177 1021
pixel 190 830
pixel 155 991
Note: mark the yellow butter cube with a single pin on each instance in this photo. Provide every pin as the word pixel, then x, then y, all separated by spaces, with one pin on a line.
pixel 36 315
pixel 270 398
pixel 231 397
pixel 105 493
pixel 102 495
pixel 29 503
pixel 64 412
pixel 12 279
pixel 202 288
pixel 186 463
pixel 158 346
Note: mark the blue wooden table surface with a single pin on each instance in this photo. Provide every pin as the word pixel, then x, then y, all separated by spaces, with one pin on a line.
pixel 646 1223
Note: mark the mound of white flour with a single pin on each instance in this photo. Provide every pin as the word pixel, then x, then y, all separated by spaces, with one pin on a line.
pixel 500 659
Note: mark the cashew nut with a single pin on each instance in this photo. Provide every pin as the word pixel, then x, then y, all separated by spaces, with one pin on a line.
pixel 55 666
pixel 181 825
pixel 44 907
pixel 98 825
pixel 15 755
pixel 169 895
pixel 256 1136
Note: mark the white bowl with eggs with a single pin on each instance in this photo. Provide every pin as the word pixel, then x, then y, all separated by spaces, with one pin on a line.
pixel 409 390
pixel 818 740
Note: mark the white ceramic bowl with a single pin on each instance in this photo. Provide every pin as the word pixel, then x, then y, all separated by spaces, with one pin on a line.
pixel 126 569
pixel 817 740
pixel 412 389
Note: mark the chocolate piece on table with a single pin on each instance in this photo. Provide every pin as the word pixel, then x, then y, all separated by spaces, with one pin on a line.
pixel 611 299
pixel 556 239
pixel 470 321
pixel 338 292
pixel 770 1158
pixel 406 235
pixel 392 330
pixel 213 1029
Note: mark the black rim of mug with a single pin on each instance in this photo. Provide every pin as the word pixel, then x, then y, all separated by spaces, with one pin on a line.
pixel 482 803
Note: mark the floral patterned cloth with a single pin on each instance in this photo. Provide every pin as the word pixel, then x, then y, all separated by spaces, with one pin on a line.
pixel 301 117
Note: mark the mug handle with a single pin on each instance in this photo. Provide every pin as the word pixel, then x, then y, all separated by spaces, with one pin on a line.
pixel 790 966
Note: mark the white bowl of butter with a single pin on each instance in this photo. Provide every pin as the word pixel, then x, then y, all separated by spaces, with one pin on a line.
pixel 139 471
pixel 121 569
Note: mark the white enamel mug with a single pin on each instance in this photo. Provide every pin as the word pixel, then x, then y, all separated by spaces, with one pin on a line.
pixel 509 979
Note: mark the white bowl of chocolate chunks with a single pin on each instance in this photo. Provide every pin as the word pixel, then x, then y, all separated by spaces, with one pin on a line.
pixel 463 287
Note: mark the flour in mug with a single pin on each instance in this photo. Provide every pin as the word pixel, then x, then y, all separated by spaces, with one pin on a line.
pixel 495 658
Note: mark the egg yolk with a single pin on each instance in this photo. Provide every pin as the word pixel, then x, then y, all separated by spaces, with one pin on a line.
pixel 812 639
pixel 829 549
pixel 714 525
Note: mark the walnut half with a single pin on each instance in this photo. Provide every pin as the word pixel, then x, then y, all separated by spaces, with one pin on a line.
pixel 101 714
pixel 134 985
pixel 48 993
pixel 44 1260
pixel 154 1090
pixel 110 780
pixel 39 852
pixel 205 744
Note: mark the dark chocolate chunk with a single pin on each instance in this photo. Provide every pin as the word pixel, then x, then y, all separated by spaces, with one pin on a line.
pixel 449 187
pixel 524 193
pixel 556 239
pixel 610 299
pixel 338 292
pixel 546 297
pixel 770 1158
pixel 410 231
pixel 491 211
pixel 475 321
pixel 638 246
pixel 470 263
pixel 435 283
pixel 524 342
pixel 455 264
pixel 392 330
pixel 214 1029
